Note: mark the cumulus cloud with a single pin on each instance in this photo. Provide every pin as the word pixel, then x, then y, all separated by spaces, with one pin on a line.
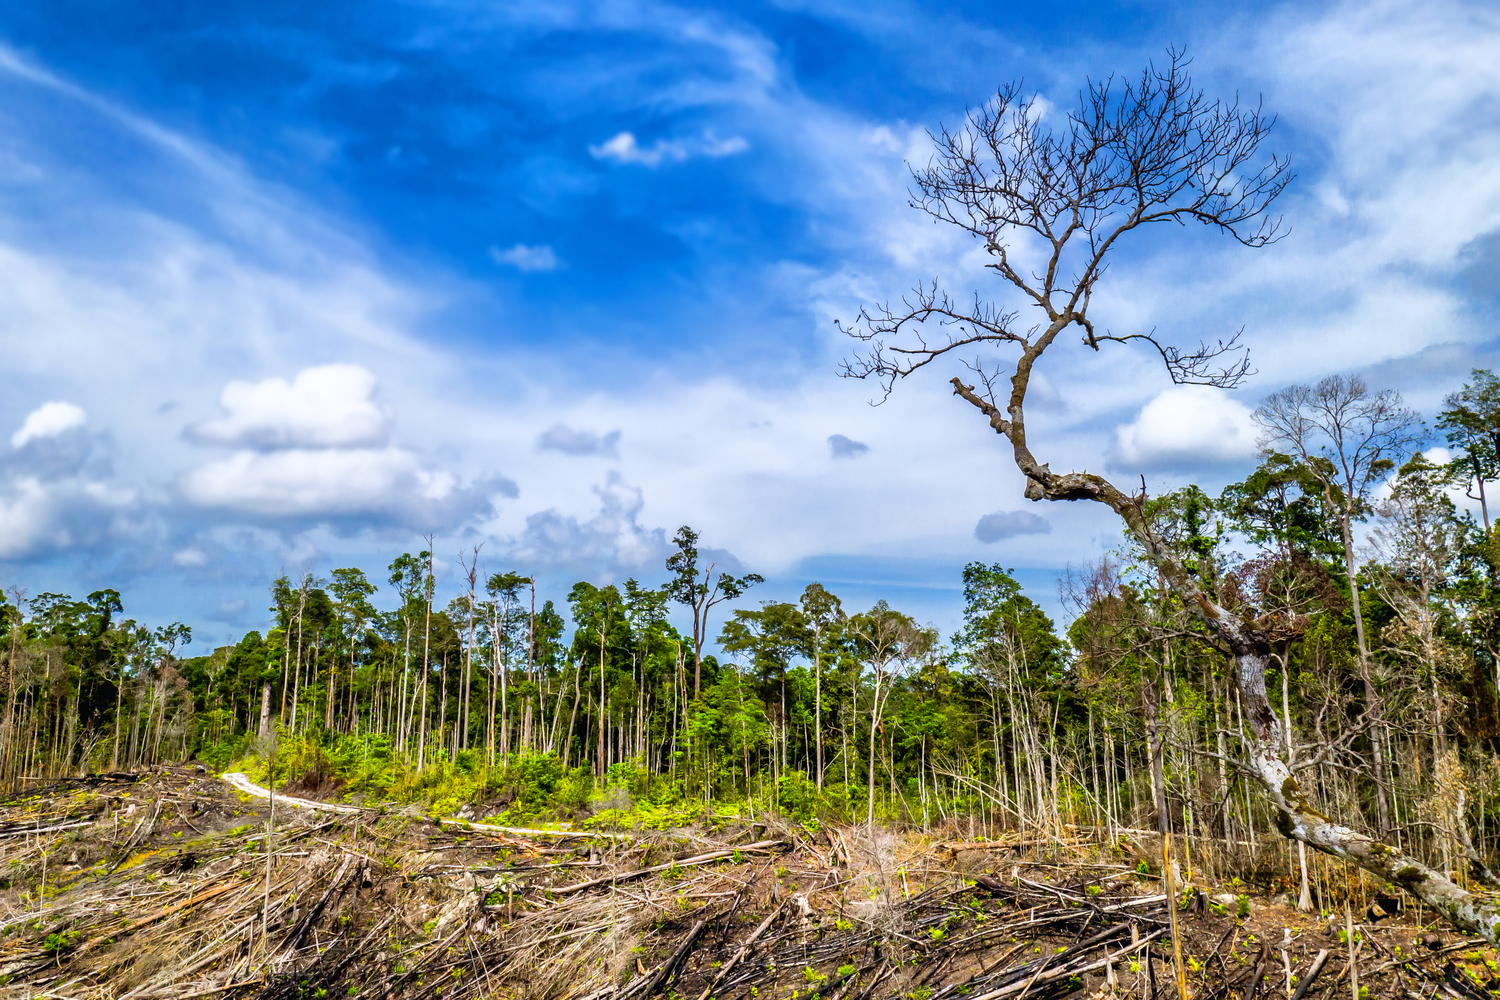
pixel 48 420
pixel 58 492
pixel 1184 427
pixel 316 447
pixel 1010 523
pixel 325 406
pixel 560 437
pixel 389 483
pixel 608 546
pixel 623 148
pixel 846 447
pixel 307 480
pixel 527 259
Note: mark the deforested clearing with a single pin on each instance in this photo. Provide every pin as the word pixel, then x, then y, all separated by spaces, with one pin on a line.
pixel 159 882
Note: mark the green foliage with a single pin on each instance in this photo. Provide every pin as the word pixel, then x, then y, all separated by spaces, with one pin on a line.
pixel 797 797
pixel 56 943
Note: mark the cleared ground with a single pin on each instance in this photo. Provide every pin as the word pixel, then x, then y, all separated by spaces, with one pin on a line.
pixel 166 884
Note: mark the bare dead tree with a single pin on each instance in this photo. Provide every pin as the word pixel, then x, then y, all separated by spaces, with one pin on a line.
pixel 1130 154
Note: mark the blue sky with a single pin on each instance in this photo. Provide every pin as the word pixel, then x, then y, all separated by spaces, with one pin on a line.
pixel 286 286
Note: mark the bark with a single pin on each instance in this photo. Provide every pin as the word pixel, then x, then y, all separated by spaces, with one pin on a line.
pixel 426 661
pixel 1372 701
pixel 1154 751
pixel 1304 894
pixel 265 709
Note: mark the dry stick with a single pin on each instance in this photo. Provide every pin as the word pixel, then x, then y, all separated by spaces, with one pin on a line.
pixel 300 931
pixel 209 954
pixel 220 989
pixel 1312 974
pixel 1056 974
pixel 1262 966
pixel 1353 970
pixel 30 831
pixel 744 950
pixel 1169 882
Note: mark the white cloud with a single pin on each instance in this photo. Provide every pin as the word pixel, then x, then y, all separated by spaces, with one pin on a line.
pixel 316 447
pixel 716 147
pixel 327 406
pixel 623 148
pixel 190 557
pixel 48 420
pixel 1184 427
pixel 527 259
pixel 316 481
pixel 59 495
pixel 608 546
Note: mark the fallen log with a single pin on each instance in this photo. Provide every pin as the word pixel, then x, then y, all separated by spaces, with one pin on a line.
pixel 744 950
pixel 702 859
pixel 1056 974
pixel 1312 974
pixel 677 957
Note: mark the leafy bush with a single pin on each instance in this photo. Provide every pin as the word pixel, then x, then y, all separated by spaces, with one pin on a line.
pixel 631 775
pixel 218 756
pixel 797 797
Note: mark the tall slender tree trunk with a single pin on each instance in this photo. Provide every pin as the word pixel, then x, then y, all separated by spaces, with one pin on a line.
pixel 265 709
pixel 874 723
pixel 818 700
pixel 495 644
pixel 573 717
pixel 1372 699
pixel 426 661
pixel 1154 748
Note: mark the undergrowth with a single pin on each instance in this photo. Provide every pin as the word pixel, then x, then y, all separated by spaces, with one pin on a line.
pixel 527 788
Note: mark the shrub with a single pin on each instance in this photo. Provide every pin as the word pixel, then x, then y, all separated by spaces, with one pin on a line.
pixel 797 797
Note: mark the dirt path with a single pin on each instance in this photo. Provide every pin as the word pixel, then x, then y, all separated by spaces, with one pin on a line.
pixel 242 783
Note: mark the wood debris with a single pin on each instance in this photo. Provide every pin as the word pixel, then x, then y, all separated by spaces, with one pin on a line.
pixel 168 885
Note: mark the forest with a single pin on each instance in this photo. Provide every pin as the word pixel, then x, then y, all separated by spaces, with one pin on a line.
pixel 1345 541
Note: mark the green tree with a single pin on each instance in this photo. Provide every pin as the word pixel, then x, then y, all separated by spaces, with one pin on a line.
pixel 824 614
pixel 701 595
pixel 889 642
pixel 1471 422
